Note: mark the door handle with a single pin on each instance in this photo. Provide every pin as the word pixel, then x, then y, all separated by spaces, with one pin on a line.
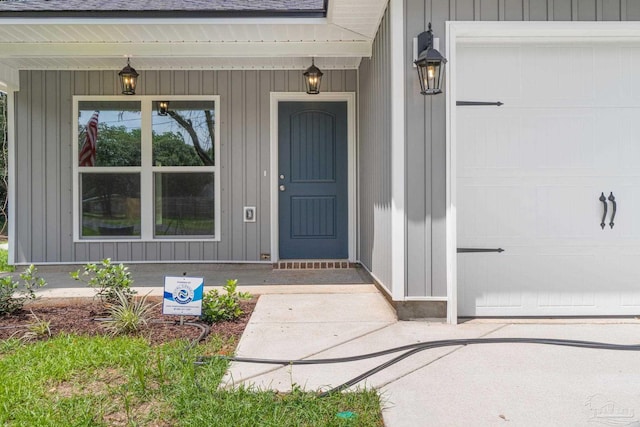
pixel 603 199
pixel 612 199
pixel 282 188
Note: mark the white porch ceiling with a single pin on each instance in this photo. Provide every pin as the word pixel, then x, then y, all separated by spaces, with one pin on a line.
pixel 337 42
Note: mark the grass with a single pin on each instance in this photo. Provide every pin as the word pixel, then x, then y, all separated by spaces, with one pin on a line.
pixel 4 263
pixel 101 381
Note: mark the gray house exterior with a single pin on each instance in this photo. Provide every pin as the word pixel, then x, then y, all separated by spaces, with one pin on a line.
pixel 407 191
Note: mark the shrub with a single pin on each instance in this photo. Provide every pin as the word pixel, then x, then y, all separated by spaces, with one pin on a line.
pixel 217 307
pixel 128 315
pixel 108 279
pixel 14 295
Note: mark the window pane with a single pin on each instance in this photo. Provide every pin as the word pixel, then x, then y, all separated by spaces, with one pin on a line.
pixel 183 135
pixel 184 204
pixel 109 133
pixel 110 204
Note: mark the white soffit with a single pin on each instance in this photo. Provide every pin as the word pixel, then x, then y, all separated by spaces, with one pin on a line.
pixel 360 16
pixel 339 41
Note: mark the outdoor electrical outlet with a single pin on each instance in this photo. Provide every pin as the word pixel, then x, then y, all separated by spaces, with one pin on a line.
pixel 249 214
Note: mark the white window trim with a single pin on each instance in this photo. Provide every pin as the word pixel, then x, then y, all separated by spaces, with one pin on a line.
pixel 146 169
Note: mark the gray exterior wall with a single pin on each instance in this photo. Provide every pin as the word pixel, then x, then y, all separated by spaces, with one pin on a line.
pixel 374 156
pixel 425 118
pixel 43 216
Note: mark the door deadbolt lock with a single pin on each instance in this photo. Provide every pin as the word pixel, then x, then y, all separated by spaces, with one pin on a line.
pixel 281 176
pixel 282 188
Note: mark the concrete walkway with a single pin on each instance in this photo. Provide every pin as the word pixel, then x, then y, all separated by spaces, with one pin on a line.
pixel 481 385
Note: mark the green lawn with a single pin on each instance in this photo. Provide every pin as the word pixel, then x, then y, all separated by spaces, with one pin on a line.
pixel 4 266
pixel 100 381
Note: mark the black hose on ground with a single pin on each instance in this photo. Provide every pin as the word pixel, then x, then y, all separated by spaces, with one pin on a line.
pixel 203 334
pixel 412 349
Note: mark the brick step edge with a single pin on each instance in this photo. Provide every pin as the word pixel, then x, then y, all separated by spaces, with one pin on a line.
pixel 313 265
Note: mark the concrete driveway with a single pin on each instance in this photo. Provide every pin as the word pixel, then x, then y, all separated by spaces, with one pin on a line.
pixel 480 385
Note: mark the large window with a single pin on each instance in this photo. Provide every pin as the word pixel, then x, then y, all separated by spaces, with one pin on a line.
pixel 145 172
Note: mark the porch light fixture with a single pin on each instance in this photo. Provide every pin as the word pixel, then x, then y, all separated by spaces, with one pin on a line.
pixel 430 64
pixel 312 78
pixel 163 108
pixel 128 79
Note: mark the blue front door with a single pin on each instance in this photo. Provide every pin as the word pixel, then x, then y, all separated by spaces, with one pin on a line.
pixel 312 180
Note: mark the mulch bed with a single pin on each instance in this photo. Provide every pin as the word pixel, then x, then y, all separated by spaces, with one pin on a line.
pixel 77 316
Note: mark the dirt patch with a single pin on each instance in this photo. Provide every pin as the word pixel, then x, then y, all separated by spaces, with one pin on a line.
pixel 78 316
pixel 138 414
pixel 105 379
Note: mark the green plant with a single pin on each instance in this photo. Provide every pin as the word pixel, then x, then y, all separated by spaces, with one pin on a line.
pixel 4 261
pixel 108 279
pixel 38 328
pixel 128 315
pixel 218 307
pixel 13 294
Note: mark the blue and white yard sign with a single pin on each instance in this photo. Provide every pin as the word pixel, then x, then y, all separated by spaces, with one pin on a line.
pixel 183 296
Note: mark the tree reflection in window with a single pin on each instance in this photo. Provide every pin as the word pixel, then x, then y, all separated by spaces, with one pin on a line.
pixel 186 135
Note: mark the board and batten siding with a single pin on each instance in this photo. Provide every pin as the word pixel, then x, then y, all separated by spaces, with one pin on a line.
pixel 43 160
pixel 425 118
pixel 374 157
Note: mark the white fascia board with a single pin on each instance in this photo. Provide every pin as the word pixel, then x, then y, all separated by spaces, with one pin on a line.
pixel 162 21
pixel 398 222
pixel 186 49
pixel 9 78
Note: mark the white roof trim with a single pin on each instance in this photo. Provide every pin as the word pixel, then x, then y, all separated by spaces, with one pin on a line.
pixel 162 21
pixel 186 49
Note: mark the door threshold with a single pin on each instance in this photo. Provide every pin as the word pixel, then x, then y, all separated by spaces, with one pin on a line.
pixel 313 264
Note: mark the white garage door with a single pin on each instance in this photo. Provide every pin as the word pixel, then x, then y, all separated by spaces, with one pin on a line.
pixel 530 174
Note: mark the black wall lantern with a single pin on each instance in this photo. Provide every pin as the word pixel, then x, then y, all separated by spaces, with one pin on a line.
pixel 163 108
pixel 430 64
pixel 128 79
pixel 312 79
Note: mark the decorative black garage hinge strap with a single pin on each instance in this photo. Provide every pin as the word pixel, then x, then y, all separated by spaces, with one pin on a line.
pixel 477 103
pixel 476 250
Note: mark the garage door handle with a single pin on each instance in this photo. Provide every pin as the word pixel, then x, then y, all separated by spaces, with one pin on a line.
pixel 612 199
pixel 603 199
